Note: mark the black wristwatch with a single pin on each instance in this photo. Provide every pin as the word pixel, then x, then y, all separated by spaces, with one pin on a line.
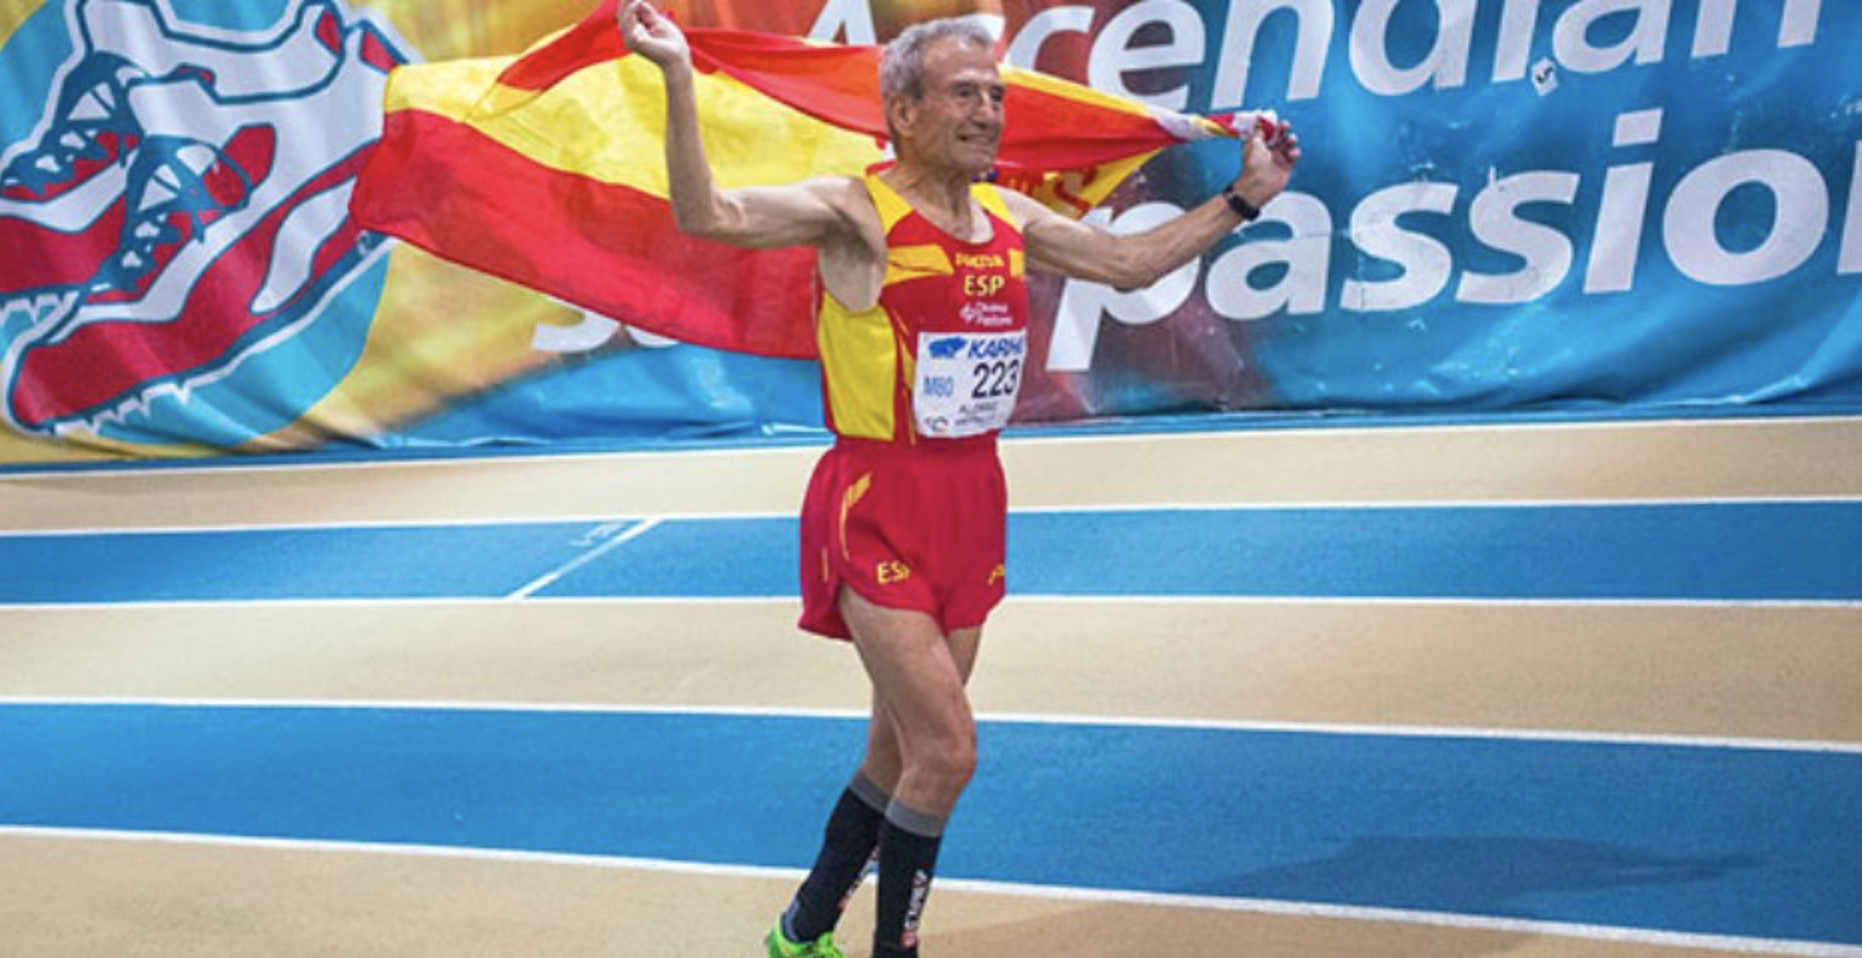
pixel 1244 209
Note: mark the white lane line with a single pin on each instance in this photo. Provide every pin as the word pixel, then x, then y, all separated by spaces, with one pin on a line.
pixel 308 525
pixel 233 465
pixel 1451 920
pixel 1294 909
pixel 1088 509
pixel 370 525
pixel 364 602
pixel 1029 598
pixel 1473 602
pixel 544 581
pixel 1481 733
pixel 1305 427
pixel 1495 503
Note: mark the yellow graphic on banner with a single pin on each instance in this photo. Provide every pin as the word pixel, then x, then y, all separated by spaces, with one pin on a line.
pixel 13 13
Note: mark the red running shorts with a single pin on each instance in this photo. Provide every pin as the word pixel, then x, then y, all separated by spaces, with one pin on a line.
pixel 921 528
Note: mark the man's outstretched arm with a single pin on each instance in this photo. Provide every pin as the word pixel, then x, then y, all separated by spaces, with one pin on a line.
pixel 1083 251
pixel 806 213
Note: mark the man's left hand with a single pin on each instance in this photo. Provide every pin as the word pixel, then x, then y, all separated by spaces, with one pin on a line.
pixel 1267 161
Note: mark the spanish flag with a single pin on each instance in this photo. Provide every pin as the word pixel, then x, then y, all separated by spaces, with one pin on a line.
pixel 548 169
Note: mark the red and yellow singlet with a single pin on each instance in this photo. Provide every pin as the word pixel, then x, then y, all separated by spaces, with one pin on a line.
pixel 909 508
pixel 940 356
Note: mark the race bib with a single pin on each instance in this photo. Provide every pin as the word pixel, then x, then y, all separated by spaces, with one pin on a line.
pixel 967 382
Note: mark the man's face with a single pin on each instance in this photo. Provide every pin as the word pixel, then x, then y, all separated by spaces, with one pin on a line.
pixel 958 123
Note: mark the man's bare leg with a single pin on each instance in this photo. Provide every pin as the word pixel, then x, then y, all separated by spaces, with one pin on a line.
pixel 921 706
pixel 852 835
pixel 884 761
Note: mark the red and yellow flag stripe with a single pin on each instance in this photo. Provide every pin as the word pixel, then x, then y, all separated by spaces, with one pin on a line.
pixel 547 169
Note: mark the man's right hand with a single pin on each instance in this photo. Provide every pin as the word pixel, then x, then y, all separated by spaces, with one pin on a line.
pixel 652 34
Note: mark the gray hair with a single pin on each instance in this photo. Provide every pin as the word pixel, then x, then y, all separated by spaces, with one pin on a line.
pixel 902 66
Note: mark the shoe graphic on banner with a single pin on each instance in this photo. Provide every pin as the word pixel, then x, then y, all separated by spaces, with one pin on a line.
pixel 182 205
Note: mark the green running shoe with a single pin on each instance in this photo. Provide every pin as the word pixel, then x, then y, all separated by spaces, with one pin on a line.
pixel 781 947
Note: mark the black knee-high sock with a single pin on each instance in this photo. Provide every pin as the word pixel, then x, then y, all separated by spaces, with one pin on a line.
pixel 908 845
pixel 846 850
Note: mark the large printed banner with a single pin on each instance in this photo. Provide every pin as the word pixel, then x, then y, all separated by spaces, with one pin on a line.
pixel 1641 207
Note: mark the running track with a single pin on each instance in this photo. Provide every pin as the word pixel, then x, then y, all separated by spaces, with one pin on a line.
pixel 1746 844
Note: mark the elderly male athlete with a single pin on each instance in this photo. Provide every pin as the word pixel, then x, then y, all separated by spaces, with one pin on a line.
pixel 922 328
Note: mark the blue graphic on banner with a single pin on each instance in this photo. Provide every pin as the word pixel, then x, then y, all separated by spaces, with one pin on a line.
pixel 1606 205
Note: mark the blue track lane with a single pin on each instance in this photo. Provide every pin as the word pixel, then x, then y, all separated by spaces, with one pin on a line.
pixel 1737 842
pixel 1782 551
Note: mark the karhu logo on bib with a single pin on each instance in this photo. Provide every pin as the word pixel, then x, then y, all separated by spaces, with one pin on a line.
pixel 947 348
pixel 1001 347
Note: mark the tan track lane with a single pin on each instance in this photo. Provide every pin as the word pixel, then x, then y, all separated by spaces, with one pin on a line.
pixel 1739 459
pixel 1776 673
pixel 73 898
